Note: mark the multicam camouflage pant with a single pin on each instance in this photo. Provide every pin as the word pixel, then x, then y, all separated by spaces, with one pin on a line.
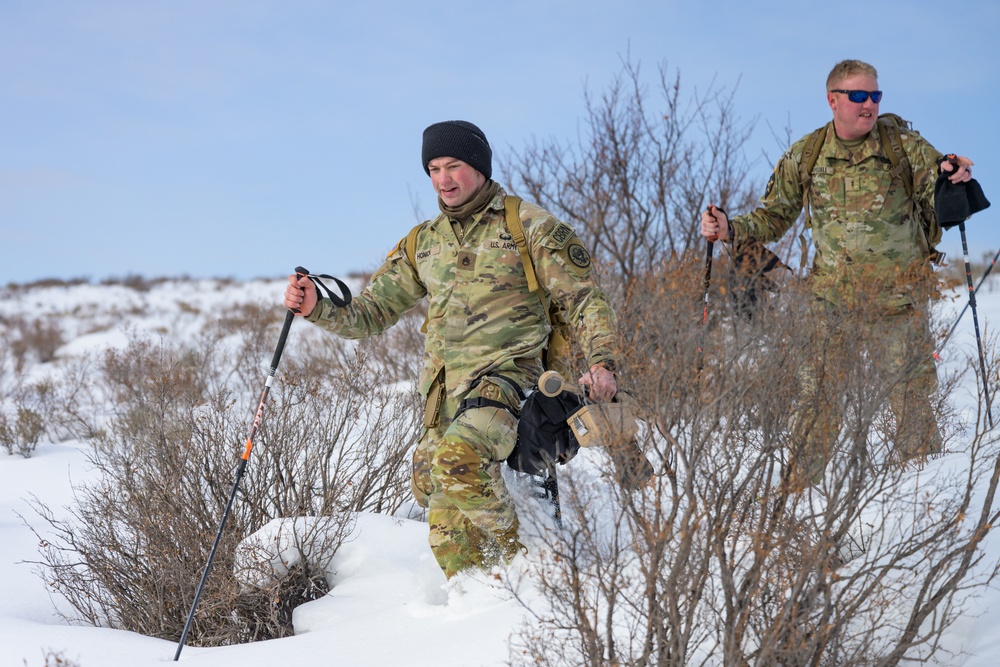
pixel 901 348
pixel 456 476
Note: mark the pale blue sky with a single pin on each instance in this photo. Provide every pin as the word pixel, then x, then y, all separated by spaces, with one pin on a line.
pixel 241 138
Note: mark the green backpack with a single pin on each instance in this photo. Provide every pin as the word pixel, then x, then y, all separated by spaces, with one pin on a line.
pixel 889 126
pixel 558 350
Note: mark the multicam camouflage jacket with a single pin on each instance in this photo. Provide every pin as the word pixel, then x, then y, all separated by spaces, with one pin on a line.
pixel 482 318
pixel 862 217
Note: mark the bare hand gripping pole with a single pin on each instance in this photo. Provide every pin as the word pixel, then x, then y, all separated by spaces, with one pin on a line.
pixel 289 316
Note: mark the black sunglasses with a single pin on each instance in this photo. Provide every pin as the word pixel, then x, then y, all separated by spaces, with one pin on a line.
pixel 859 96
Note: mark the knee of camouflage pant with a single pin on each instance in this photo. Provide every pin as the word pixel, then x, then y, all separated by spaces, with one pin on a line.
pixel 463 467
pixel 492 432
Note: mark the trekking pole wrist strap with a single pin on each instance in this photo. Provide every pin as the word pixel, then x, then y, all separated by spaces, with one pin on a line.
pixel 323 290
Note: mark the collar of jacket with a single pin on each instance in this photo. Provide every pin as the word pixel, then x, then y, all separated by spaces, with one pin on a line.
pixel 479 203
pixel 833 148
pixel 495 204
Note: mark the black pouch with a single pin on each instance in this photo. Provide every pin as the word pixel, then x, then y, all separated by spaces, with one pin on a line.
pixel 544 437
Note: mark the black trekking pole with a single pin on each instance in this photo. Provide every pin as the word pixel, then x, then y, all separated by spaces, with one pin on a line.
pixel 289 316
pixel 975 321
pixel 937 355
pixel 550 491
pixel 704 314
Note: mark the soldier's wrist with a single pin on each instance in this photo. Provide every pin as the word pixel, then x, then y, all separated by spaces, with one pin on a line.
pixel 729 225
pixel 609 364
pixel 316 313
pixel 950 157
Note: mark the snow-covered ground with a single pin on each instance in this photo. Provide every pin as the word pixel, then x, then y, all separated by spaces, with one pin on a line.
pixel 390 604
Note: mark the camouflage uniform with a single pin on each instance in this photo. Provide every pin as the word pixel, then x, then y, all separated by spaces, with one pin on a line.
pixel 869 239
pixel 482 321
pixel 861 217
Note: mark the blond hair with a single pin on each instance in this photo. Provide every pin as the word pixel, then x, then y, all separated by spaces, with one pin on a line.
pixel 846 68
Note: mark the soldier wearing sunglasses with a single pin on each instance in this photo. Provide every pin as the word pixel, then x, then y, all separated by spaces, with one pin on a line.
pixel 871 237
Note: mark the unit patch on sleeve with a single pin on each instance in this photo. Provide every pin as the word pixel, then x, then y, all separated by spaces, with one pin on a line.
pixel 559 235
pixel 579 255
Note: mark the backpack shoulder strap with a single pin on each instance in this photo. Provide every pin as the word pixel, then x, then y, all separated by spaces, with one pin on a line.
pixel 890 127
pixel 512 216
pixel 810 155
pixel 410 247
pixel 892 146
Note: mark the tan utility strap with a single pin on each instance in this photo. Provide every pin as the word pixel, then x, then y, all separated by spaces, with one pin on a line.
pixel 513 217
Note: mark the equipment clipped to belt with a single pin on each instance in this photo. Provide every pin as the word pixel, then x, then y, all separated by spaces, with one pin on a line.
pixel 544 437
pixel 555 422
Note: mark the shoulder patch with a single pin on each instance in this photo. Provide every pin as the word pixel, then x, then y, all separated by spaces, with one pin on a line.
pixel 558 236
pixel 399 248
pixel 578 255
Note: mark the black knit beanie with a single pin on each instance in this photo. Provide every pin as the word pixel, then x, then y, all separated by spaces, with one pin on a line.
pixel 461 140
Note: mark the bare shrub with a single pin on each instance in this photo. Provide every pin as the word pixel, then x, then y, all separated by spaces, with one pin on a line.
pixel 52 405
pixel 135 282
pixel 38 338
pixel 46 282
pixel 187 308
pixel 6 359
pixel 23 435
pixel 399 351
pixel 333 441
pixel 636 178
pixel 721 560
pixel 74 405
pixel 56 659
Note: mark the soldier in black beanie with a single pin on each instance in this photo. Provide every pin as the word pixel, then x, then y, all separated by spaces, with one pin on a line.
pixel 487 336
pixel 458 139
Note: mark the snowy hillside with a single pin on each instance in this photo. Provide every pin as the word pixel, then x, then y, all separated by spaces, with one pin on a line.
pixel 389 603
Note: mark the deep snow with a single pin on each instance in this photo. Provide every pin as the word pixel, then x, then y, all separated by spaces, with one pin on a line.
pixel 390 604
